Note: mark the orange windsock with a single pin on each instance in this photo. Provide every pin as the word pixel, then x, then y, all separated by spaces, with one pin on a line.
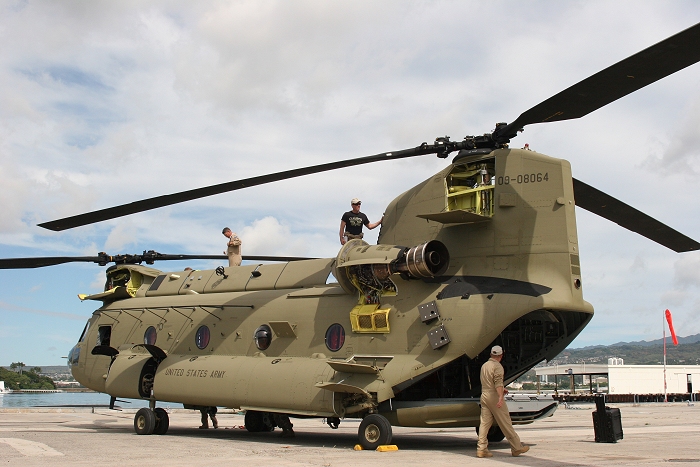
pixel 670 326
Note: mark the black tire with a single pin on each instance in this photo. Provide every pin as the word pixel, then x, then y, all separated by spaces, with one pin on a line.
pixel 162 421
pixel 144 422
pixel 495 435
pixel 254 422
pixel 375 431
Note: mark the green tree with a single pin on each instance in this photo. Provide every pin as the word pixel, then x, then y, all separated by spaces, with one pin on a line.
pixel 17 366
pixel 28 380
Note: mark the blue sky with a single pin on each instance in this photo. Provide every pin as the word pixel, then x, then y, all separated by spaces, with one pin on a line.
pixel 103 103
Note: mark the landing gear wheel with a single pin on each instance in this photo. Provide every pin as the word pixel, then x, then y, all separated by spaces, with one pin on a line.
pixel 495 435
pixel 144 422
pixel 375 431
pixel 255 422
pixel 162 421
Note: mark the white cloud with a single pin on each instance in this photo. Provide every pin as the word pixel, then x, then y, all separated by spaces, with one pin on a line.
pixel 106 103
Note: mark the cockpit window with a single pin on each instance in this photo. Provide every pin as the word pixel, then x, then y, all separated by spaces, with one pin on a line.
pixel 104 335
pixel 85 331
pixel 74 356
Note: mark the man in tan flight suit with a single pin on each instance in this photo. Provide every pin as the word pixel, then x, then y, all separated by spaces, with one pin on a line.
pixel 233 247
pixel 494 408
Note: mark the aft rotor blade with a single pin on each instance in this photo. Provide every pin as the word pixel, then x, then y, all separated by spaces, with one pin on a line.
pixel 167 200
pixel 166 257
pixel 285 259
pixel 624 77
pixel 604 205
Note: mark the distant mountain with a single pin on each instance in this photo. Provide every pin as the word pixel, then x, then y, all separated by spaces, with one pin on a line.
pixel 681 340
pixel 636 353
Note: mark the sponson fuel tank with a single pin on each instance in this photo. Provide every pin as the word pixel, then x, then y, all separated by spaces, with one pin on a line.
pixel 246 382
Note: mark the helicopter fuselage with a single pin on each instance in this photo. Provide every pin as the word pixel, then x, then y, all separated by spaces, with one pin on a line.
pixel 388 337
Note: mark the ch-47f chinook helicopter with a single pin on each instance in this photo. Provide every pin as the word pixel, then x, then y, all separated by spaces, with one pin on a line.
pixel 484 252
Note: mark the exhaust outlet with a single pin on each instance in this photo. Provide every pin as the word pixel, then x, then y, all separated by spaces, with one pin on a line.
pixel 426 260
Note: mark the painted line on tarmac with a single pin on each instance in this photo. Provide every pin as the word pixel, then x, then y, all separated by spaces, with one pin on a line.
pixel 26 429
pixel 30 448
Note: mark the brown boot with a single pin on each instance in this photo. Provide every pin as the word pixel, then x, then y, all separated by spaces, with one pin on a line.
pixel 522 450
pixel 214 421
pixel 484 453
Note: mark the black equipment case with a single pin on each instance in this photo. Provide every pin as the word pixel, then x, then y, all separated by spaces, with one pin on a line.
pixel 607 422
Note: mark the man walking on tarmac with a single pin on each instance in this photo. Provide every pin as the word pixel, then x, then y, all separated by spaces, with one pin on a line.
pixel 494 408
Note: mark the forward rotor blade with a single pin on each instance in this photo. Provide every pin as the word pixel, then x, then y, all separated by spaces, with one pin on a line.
pixel 167 200
pixel 624 77
pixel 26 263
pixel 40 262
pixel 604 205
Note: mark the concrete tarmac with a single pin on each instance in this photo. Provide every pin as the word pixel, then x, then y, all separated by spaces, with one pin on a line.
pixel 654 434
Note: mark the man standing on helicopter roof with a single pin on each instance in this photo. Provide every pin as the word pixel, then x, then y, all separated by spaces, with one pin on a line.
pixel 352 221
pixel 233 248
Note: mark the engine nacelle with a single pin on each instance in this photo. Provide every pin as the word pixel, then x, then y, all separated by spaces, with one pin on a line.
pixel 359 261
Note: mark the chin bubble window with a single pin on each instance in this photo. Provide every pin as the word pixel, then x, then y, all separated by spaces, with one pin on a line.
pixel 335 337
pixel 202 337
pixel 149 337
pixel 263 337
pixel 74 356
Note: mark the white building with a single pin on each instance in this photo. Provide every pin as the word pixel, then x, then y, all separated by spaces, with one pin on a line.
pixel 631 379
pixel 649 379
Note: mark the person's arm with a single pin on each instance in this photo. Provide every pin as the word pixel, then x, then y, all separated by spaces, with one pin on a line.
pixel 500 392
pixel 342 232
pixel 375 224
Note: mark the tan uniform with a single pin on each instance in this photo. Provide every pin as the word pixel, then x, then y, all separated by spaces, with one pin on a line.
pixel 233 250
pixel 491 378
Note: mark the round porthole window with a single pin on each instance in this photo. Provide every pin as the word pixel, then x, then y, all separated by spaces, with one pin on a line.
pixel 150 336
pixel 263 337
pixel 202 337
pixel 335 337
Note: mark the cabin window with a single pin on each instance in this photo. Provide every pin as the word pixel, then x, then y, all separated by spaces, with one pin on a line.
pixel 150 336
pixel 263 337
pixel 202 337
pixel 335 337
pixel 104 335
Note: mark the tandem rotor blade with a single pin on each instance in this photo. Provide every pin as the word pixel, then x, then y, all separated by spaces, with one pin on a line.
pixel 26 263
pixel 147 257
pixel 604 205
pixel 174 198
pixel 624 77
pixel 616 81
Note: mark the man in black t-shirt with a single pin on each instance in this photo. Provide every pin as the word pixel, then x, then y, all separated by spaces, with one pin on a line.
pixel 352 221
